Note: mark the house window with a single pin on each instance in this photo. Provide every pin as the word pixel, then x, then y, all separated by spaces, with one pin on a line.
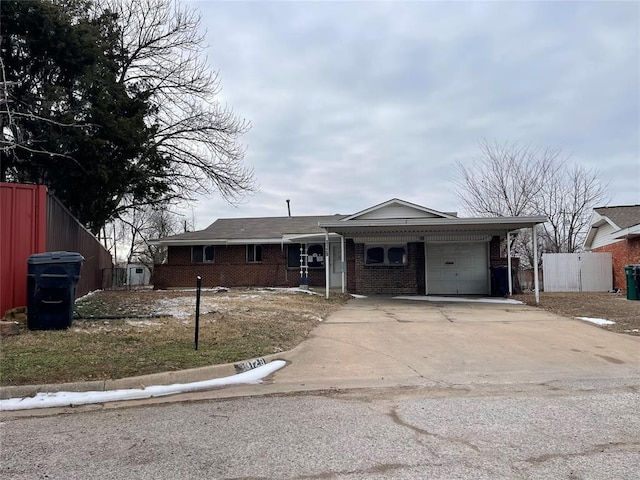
pixel 293 255
pixel 202 254
pixel 254 253
pixel 315 255
pixel 385 255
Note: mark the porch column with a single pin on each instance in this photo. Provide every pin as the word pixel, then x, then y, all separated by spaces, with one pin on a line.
pixel 342 262
pixel 535 263
pixel 326 263
pixel 509 263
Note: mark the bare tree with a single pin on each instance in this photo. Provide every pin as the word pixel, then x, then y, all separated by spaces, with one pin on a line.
pixel 163 55
pixel 141 225
pixel 513 180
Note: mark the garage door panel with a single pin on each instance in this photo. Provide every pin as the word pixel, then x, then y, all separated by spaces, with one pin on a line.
pixel 457 269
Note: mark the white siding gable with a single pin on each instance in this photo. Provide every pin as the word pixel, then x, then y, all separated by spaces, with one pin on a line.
pixel 604 236
pixel 396 211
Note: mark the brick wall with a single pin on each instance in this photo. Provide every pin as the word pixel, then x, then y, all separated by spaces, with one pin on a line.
pixel 625 252
pixel 389 280
pixel 230 269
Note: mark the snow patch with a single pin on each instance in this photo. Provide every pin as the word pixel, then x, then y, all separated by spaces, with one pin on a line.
pixel 87 295
pixel 355 295
pixel 66 399
pixel 597 321
pixel 143 323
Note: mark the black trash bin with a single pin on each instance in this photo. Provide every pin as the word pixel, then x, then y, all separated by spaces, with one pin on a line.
pixel 52 278
pixel 500 281
pixel 632 272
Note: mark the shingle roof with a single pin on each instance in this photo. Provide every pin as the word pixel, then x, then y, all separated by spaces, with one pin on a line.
pixel 623 216
pixel 256 228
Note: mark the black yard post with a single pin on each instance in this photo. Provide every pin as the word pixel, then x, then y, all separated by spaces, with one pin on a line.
pixel 198 286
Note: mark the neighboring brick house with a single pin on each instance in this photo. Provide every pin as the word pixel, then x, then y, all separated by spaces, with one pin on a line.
pixel 616 230
pixel 395 247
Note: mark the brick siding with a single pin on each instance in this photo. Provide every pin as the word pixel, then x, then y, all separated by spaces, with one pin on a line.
pixel 625 252
pixel 390 279
pixel 230 269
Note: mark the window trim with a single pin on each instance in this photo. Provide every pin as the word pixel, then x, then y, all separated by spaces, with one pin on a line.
pixel 254 247
pixel 386 247
pixel 202 249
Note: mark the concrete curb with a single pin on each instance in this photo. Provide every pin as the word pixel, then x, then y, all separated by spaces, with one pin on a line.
pixel 164 378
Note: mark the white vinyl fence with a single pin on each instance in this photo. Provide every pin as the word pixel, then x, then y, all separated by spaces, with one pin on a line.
pixel 577 272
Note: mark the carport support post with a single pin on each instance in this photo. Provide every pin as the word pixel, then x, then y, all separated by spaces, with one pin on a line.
pixel 509 263
pixel 534 236
pixel 326 263
pixel 198 287
pixel 342 264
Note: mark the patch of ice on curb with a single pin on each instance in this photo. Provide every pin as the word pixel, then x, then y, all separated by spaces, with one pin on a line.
pixel 597 321
pixel 355 295
pixel 508 301
pixel 66 399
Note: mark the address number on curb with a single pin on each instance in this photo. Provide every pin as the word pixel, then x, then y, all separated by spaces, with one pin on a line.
pixel 249 365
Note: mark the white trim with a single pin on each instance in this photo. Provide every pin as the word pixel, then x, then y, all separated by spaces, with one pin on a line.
pixel 512 222
pixel 627 232
pixel 386 247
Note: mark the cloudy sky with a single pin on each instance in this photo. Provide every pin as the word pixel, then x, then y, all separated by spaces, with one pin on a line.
pixel 356 103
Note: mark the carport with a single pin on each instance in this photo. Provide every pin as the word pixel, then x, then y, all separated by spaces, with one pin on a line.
pixel 455 256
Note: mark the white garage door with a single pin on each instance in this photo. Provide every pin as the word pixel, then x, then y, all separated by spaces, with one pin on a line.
pixel 457 269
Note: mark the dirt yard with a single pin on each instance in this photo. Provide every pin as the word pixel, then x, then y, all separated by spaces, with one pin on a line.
pixel 608 306
pixel 127 333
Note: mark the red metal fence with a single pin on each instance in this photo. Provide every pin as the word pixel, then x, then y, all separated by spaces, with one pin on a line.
pixel 34 221
pixel 23 216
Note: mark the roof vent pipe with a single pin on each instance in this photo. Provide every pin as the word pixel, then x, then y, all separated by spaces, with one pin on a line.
pixel 289 207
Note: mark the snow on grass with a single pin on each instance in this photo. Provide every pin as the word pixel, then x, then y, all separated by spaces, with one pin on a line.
pixel 143 323
pixel 87 295
pixel 290 290
pixel 66 399
pixel 509 301
pixel 597 321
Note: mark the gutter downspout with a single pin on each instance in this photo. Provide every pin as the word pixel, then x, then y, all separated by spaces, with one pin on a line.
pixel 535 264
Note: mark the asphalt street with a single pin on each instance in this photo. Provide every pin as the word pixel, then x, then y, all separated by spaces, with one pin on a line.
pixel 579 430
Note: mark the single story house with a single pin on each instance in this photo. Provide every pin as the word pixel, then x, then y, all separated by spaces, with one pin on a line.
pixel 616 230
pixel 394 248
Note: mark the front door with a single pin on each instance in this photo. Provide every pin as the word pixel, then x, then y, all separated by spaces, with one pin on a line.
pixel 335 266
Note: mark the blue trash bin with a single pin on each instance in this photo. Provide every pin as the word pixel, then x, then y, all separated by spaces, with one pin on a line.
pixel 500 281
pixel 52 278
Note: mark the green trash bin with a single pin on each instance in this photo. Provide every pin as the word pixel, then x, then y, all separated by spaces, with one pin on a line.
pixel 632 273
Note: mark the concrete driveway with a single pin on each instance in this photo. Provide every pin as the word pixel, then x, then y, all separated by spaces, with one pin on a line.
pixel 388 342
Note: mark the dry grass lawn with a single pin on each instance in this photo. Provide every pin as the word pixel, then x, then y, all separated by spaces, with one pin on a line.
pixel 234 325
pixel 609 306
